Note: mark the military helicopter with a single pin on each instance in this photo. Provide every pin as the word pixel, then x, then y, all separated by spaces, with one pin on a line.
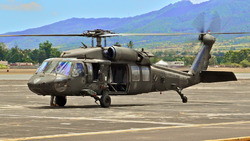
pixel 100 71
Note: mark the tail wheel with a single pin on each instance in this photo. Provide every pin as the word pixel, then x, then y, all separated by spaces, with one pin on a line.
pixel 61 100
pixel 105 100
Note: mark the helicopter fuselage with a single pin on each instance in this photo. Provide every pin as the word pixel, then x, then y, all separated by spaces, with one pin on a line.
pixel 127 75
pixel 97 76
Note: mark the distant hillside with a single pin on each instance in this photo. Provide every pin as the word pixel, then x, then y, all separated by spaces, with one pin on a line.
pixel 176 17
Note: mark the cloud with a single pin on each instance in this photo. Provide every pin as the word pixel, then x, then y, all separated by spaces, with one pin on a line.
pixel 54 13
pixel 33 6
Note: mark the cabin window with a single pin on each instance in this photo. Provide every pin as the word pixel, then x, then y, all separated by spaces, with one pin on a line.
pixel 135 73
pixel 145 73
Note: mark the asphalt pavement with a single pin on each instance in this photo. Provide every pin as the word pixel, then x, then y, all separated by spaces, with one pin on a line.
pixel 214 111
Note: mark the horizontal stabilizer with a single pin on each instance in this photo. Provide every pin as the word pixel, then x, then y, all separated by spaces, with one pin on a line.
pixel 217 76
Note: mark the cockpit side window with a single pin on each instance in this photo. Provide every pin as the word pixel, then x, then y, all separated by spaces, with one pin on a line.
pixel 42 67
pixel 78 70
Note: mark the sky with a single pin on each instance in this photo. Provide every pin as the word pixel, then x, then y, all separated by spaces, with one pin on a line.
pixel 18 15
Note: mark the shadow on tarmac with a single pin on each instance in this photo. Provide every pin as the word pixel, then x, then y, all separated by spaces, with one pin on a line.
pixel 87 106
pixel 197 103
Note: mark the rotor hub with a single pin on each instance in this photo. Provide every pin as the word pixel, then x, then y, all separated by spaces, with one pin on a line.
pixel 97 33
pixel 208 39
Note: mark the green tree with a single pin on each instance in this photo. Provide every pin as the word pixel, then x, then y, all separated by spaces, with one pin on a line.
pixel 3 51
pixel 34 55
pixel 55 52
pixel 47 47
pixel 189 60
pixel 15 55
pixel 236 56
pixel 245 63
pixel 42 56
pixel 130 44
pixel 117 44
pixel 46 51
pixel 243 54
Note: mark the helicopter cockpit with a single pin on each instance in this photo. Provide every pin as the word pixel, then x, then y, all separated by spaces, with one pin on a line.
pixel 68 76
pixel 55 74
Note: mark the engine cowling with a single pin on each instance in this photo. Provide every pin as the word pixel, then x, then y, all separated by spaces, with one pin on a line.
pixel 120 53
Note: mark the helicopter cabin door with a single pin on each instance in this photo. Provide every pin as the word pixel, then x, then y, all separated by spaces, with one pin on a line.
pixel 77 77
pixel 118 78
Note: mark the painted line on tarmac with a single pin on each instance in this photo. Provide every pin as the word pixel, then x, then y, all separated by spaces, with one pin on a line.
pixel 232 139
pixel 100 119
pixel 124 131
pixel 13 85
pixel 208 88
pixel 10 92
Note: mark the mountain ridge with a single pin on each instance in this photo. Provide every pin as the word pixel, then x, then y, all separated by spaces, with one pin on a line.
pixel 176 17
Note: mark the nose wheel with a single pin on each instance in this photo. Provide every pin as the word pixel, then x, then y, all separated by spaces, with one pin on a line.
pixel 58 101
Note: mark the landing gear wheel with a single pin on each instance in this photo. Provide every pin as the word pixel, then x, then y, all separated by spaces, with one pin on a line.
pixel 105 101
pixel 61 100
pixel 184 99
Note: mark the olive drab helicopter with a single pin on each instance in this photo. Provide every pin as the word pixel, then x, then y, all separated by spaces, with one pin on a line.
pixel 103 71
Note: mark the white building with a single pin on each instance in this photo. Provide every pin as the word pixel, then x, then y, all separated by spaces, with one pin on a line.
pixel 170 63
pixel 162 63
pixel 4 63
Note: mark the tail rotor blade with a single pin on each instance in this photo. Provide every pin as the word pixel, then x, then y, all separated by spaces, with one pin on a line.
pixel 215 25
pixel 199 22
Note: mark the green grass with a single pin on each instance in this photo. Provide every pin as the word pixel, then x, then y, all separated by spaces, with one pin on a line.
pixel 3 66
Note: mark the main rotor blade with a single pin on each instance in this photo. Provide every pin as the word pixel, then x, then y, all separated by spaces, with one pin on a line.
pixel 150 34
pixel 167 34
pixel 230 33
pixel 47 35
pixel 121 34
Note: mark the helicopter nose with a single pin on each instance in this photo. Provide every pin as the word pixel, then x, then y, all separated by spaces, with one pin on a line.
pixel 60 84
pixel 42 85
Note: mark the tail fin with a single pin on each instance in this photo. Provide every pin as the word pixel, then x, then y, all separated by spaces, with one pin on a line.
pixel 202 59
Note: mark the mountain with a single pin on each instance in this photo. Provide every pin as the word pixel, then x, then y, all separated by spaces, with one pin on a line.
pixel 172 18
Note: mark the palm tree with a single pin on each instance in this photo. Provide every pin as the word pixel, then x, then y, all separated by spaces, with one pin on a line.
pixel 130 44
pixel 117 44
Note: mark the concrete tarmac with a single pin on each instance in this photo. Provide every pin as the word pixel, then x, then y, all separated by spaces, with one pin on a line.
pixel 214 111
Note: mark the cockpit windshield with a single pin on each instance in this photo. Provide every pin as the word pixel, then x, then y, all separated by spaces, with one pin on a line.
pixel 42 67
pixel 55 67
pixel 63 68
